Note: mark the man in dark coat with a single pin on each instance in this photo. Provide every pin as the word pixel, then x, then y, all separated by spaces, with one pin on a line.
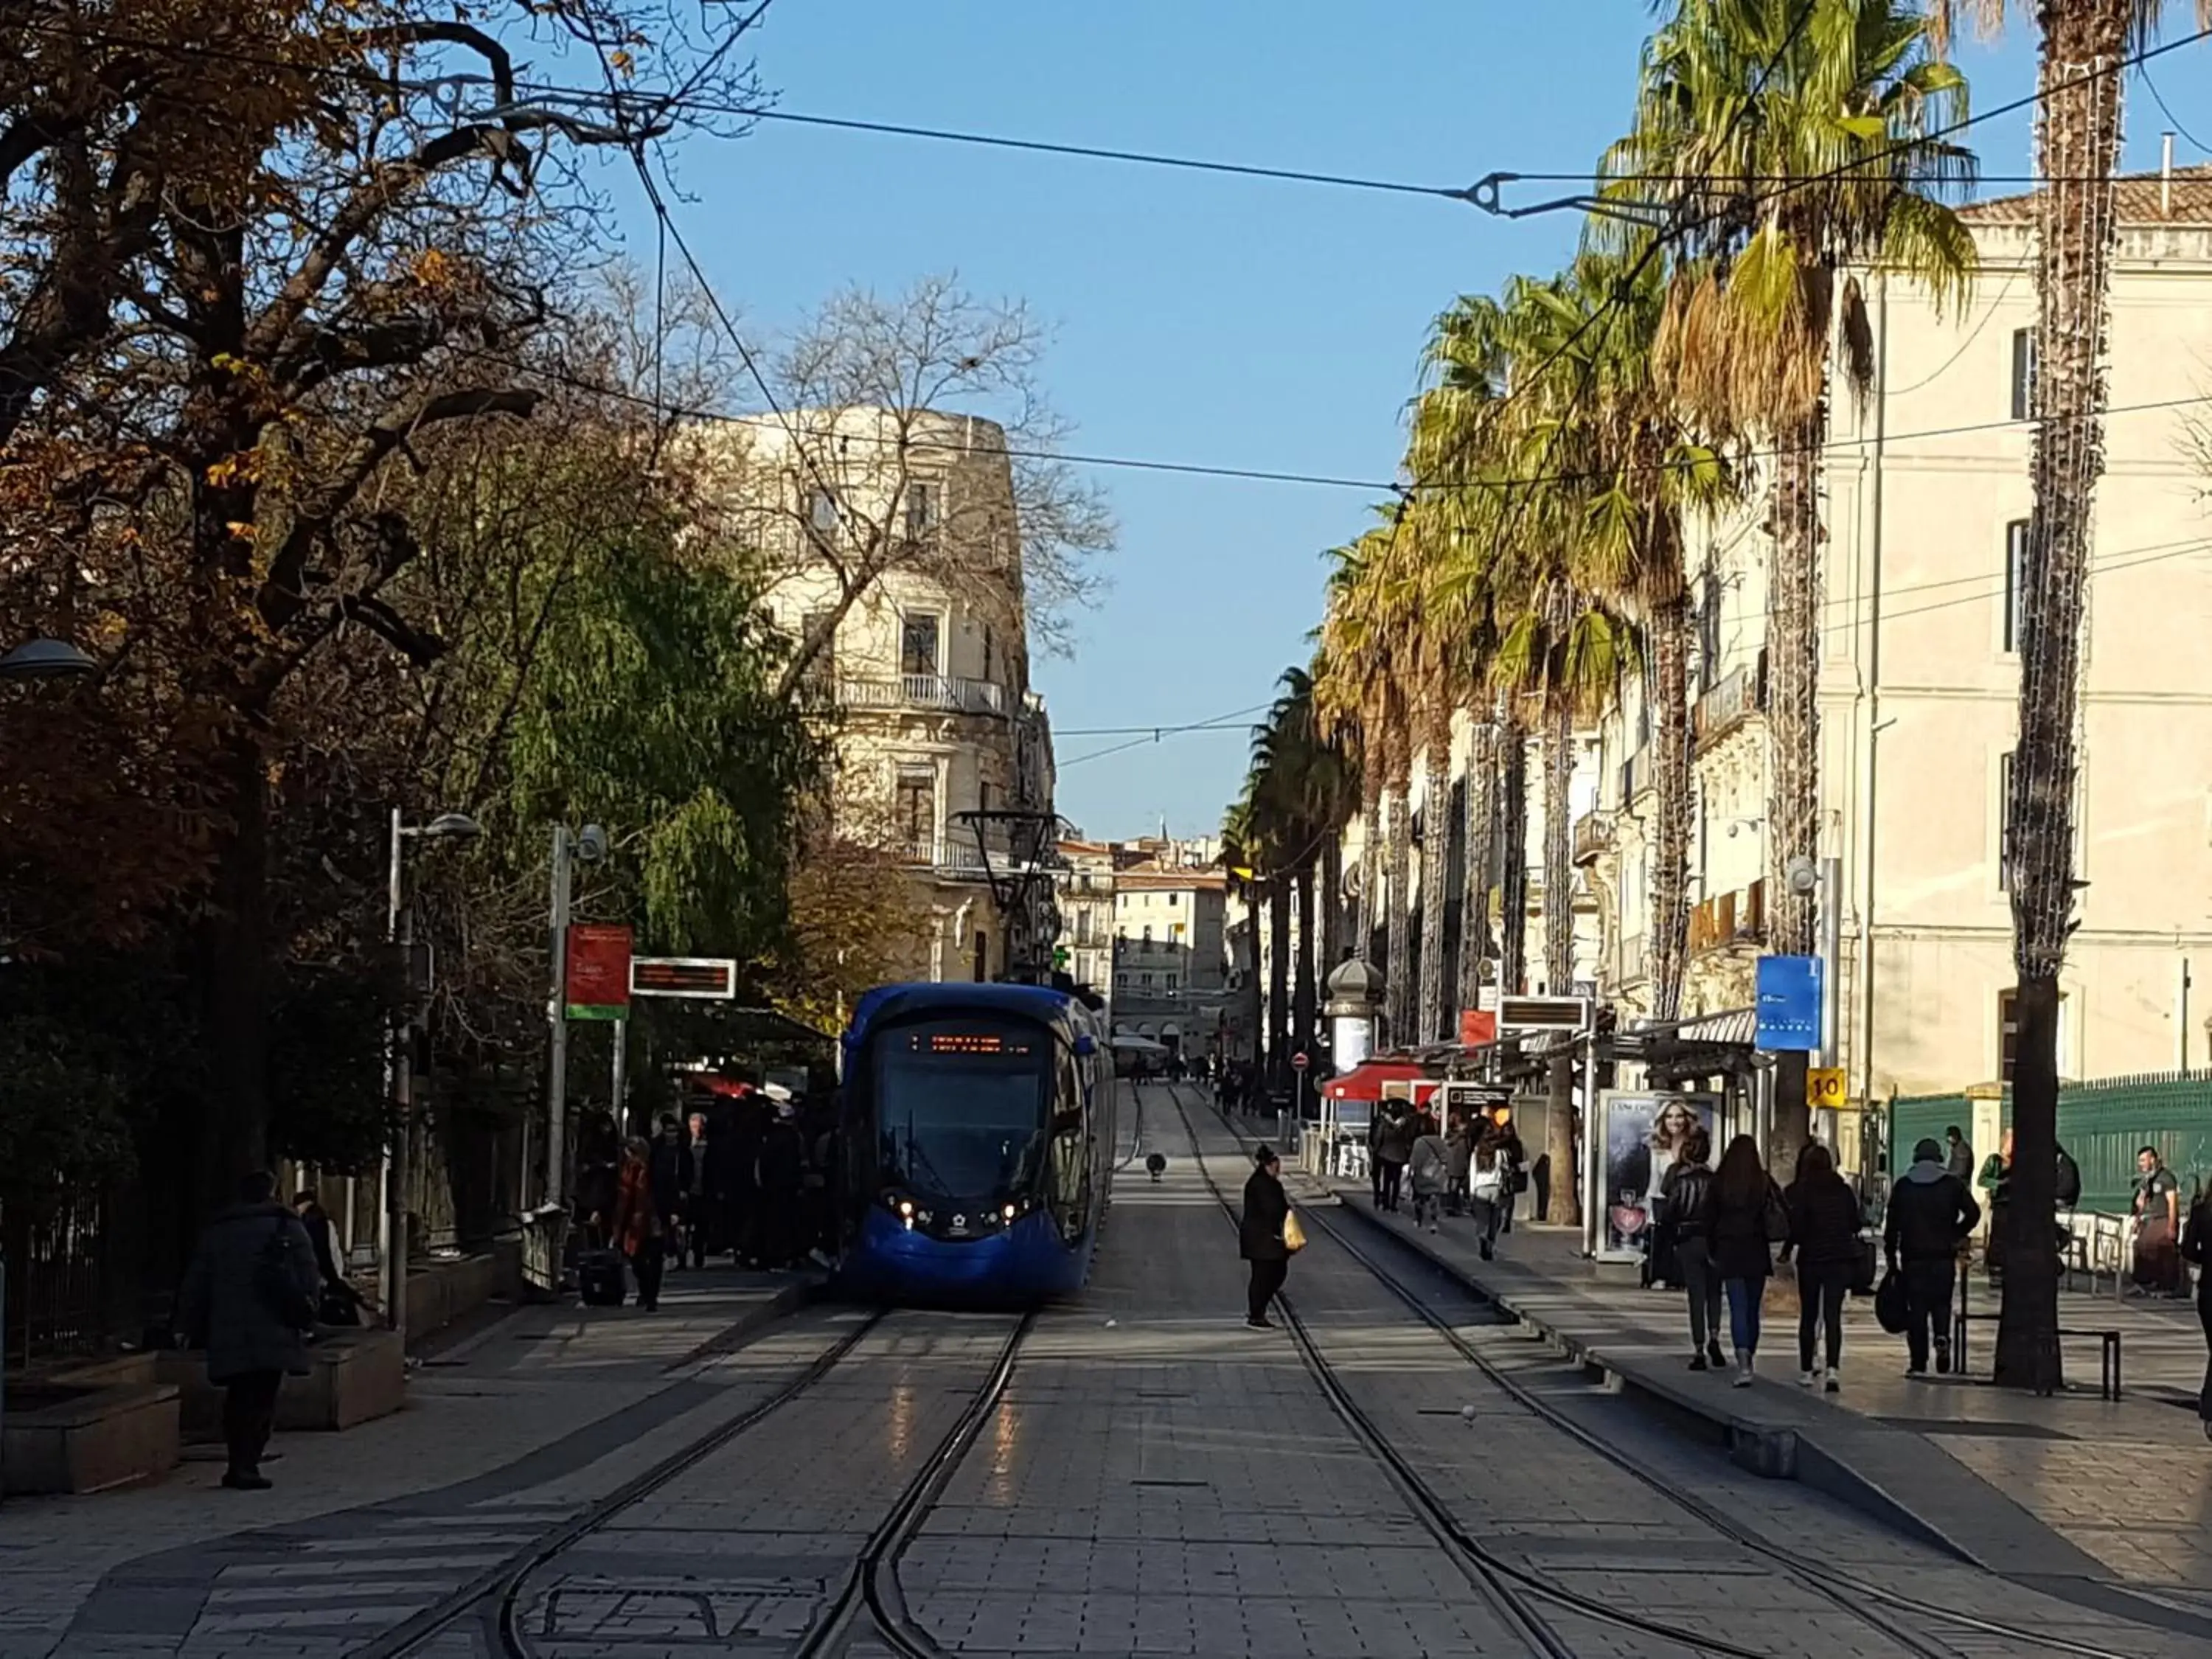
pixel 1260 1235
pixel 1930 1215
pixel 673 1166
pixel 248 1300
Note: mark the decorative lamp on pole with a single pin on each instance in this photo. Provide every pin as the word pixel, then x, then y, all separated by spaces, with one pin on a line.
pixel 400 1059
pixel 46 659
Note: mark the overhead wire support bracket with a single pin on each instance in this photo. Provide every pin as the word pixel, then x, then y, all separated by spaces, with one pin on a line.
pixel 1488 194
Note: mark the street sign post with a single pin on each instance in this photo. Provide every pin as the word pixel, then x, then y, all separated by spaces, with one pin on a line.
pixel 1300 1062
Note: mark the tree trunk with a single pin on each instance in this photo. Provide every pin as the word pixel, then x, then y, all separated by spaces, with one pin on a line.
pixel 1436 859
pixel 1793 676
pixel 1513 855
pixel 1559 846
pixel 1481 842
pixel 1278 981
pixel 1369 914
pixel 1399 970
pixel 1302 991
pixel 235 942
pixel 1566 1186
pixel 1671 769
pixel 2079 140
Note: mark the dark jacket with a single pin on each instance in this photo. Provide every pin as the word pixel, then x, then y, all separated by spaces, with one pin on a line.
pixel 1686 1198
pixel 222 1307
pixel 1267 1207
pixel 1930 1212
pixel 1737 1233
pixel 1395 1143
pixel 671 1174
pixel 1824 1221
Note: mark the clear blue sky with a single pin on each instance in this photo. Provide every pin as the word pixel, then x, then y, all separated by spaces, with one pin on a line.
pixel 1204 318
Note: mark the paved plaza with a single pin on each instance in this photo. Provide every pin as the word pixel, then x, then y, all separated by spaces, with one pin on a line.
pixel 1154 1478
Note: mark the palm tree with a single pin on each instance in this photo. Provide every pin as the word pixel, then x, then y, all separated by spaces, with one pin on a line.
pixel 2080 81
pixel 1842 100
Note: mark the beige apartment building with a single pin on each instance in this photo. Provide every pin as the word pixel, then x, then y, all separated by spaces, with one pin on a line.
pixel 892 537
pixel 1926 505
pixel 1084 880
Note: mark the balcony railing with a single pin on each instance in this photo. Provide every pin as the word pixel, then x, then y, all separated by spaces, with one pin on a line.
pixel 1726 919
pixel 1729 704
pixel 1635 775
pixel 953 694
pixel 1593 835
pixel 954 855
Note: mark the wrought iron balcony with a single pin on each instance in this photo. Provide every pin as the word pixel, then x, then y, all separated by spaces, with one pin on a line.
pixel 947 693
pixel 1727 705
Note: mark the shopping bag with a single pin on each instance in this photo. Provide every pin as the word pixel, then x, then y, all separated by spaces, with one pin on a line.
pixel 1889 1309
pixel 1864 1269
pixel 1294 1236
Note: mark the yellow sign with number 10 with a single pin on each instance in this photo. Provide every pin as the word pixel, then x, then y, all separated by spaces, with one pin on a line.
pixel 1824 1087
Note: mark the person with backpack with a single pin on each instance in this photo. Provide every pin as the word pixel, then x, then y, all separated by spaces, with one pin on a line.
pixel 1824 1237
pixel 1686 1197
pixel 1429 1167
pixel 248 1303
pixel 1930 1215
pixel 1745 1219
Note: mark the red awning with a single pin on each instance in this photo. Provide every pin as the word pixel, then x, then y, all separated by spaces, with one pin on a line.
pixel 1365 1082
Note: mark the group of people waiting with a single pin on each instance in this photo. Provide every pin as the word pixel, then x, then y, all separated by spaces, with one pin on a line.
pixel 1476 1166
pixel 752 1180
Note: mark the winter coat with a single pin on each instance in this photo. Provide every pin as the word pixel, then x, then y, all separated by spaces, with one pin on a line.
pixel 1267 1207
pixel 1431 1165
pixel 1737 1232
pixel 1824 1221
pixel 671 1166
pixel 1396 1144
pixel 1930 1213
pixel 1961 1160
pixel 782 1159
pixel 1686 1198
pixel 222 1307
pixel 1460 1150
pixel 637 1219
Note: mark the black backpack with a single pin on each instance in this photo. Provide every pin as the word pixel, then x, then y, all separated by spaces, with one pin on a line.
pixel 277 1276
pixel 2068 1187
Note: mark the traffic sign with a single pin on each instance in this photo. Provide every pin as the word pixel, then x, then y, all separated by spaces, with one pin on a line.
pixel 1300 1062
pixel 1825 1086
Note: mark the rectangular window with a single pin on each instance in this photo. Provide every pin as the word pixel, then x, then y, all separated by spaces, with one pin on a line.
pixel 1144 981
pixel 1120 981
pixel 2004 821
pixel 821 514
pixel 922 509
pixel 918 636
pixel 1172 980
pixel 2023 374
pixel 1709 634
pixel 914 808
pixel 2015 585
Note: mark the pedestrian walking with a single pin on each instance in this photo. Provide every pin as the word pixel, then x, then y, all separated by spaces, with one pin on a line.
pixel 1488 1189
pixel 640 1228
pixel 698 1197
pixel 336 1302
pixel 598 1170
pixel 248 1303
pixel 782 1179
pixel 1459 1146
pixel 1429 1166
pixel 2197 1248
pixel 1513 1162
pixel 1744 1221
pixel 672 1167
pixel 1395 1148
pixel 1824 1237
pixel 1686 1198
pixel 1930 1215
pixel 1996 1180
pixel 1260 1235
pixel 2158 1226
pixel 1959 1159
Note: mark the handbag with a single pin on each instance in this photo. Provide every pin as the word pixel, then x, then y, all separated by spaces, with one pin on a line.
pixel 1294 1235
pixel 1776 1217
pixel 1890 1312
pixel 1863 1268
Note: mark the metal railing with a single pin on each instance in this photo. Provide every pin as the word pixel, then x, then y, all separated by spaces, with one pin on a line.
pixel 954 694
pixel 956 854
pixel 1592 834
pixel 1729 704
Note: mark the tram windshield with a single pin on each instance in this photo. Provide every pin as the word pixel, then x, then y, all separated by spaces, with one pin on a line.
pixel 961 1106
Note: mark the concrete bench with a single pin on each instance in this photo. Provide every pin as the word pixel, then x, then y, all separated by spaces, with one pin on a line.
pixel 357 1375
pixel 90 1428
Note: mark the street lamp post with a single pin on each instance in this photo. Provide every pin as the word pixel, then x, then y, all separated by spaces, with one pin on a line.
pixel 399 1059
pixel 589 847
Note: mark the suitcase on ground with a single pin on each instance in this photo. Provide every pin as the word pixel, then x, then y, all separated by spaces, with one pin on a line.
pixel 599 1281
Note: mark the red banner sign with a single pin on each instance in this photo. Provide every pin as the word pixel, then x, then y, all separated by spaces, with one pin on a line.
pixel 598 972
pixel 1476 1027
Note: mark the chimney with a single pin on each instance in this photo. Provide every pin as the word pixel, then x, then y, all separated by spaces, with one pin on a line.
pixel 2166 176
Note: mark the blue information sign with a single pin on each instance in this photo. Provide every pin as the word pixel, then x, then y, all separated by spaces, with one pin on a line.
pixel 1789 1004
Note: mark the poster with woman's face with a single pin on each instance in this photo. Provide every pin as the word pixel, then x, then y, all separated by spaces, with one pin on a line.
pixel 1644 1138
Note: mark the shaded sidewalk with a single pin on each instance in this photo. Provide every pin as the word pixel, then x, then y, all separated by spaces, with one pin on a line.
pixel 2071 1487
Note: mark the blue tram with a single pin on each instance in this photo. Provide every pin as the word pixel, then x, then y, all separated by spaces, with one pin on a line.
pixel 977 1135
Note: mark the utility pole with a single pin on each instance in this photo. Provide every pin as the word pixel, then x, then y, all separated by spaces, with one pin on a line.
pixel 557 1084
pixel 392 1224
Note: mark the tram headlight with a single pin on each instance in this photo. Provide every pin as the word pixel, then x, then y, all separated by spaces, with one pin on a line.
pixel 1008 1213
pixel 906 1208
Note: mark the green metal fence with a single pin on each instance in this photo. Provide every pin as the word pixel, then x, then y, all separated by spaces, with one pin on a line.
pixel 2103 1124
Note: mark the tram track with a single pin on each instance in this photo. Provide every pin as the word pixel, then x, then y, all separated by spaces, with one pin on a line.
pixel 1848 1594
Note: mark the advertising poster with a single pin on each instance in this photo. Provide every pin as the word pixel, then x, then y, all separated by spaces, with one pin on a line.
pixel 598 972
pixel 1644 1134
